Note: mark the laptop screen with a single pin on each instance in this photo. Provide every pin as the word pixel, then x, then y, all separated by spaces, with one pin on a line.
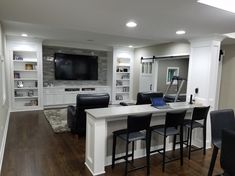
pixel 158 101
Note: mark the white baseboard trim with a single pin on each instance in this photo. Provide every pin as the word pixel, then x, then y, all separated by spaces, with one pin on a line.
pixel 139 153
pixel 2 149
pixel 99 173
pixel 198 143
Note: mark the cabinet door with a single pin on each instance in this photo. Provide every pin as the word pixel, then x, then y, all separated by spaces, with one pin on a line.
pixel 70 98
pixel 49 99
pixel 59 99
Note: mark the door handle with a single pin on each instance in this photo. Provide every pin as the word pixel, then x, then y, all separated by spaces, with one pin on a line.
pixel 150 87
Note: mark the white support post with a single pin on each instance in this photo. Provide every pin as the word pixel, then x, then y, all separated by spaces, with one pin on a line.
pixel 96 136
pixel 204 75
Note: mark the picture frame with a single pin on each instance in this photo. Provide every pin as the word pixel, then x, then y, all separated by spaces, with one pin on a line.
pixel 171 71
pixel 28 66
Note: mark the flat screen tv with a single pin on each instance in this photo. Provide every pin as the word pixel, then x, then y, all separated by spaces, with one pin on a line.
pixel 75 67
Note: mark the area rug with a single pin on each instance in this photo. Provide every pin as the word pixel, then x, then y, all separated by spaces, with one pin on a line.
pixel 57 118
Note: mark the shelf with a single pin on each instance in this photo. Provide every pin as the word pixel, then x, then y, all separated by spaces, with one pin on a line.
pixel 23 107
pixel 123 65
pixel 25 70
pixel 25 79
pixel 26 88
pixel 27 97
pixel 25 61
pixel 122 92
pixel 123 72
pixel 123 86
pixel 123 80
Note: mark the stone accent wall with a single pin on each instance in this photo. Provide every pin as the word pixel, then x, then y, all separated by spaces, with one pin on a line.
pixel 49 70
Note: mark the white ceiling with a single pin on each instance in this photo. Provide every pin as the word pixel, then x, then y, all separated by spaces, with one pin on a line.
pixel 104 20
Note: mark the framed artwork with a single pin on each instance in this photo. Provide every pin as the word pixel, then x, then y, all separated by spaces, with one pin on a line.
pixel 171 71
pixel 28 66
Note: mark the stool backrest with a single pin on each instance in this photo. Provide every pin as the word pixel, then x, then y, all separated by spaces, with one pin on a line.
pixel 221 119
pixel 200 113
pixel 138 122
pixel 227 158
pixel 175 118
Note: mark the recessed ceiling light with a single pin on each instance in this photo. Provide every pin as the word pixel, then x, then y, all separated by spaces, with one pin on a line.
pixel 180 32
pixel 24 35
pixel 228 5
pixel 130 46
pixel 131 24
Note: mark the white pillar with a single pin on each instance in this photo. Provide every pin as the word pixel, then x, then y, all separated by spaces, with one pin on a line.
pixel 204 74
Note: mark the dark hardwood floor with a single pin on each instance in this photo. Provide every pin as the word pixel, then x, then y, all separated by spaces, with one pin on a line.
pixel 33 149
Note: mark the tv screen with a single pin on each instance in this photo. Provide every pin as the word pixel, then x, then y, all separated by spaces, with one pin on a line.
pixel 75 67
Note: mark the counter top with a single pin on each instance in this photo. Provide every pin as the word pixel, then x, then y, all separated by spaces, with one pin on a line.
pixel 110 112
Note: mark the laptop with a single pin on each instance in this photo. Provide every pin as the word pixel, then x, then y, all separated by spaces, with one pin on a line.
pixel 159 103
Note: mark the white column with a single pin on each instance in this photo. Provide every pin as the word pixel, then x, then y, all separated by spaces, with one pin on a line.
pixel 96 136
pixel 204 74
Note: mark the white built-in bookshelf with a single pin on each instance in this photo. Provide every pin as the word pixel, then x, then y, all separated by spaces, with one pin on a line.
pixel 25 78
pixel 122 79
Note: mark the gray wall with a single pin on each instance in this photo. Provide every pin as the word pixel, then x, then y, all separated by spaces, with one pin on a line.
pixel 168 49
pixel 48 65
pixel 162 71
pixel 227 86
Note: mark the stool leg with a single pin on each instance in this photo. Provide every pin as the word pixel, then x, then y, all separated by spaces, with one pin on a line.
pixel 164 152
pixel 174 142
pixel 147 141
pixel 213 159
pixel 132 155
pixel 204 139
pixel 126 166
pixel 114 150
pixel 181 145
pixel 188 130
pixel 190 143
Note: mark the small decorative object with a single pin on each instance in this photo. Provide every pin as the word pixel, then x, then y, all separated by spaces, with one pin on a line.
pixel 18 58
pixel 125 70
pixel 117 70
pixel 16 75
pixel 34 102
pixel 125 76
pixel 36 84
pixel 28 66
pixel 30 93
pixel 45 84
pixel 17 94
pixel 119 97
pixel 118 83
pixel 20 84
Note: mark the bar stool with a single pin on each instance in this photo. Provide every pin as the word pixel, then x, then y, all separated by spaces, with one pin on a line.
pixel 199 113
pixel 227 155
pixel 220 119
pixel 138 128
pixel 174 119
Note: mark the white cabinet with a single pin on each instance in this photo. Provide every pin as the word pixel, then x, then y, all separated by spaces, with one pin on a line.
pixel 70 98
pixel 61 96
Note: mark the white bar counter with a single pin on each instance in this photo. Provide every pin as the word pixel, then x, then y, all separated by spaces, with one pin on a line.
pixel 96 129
